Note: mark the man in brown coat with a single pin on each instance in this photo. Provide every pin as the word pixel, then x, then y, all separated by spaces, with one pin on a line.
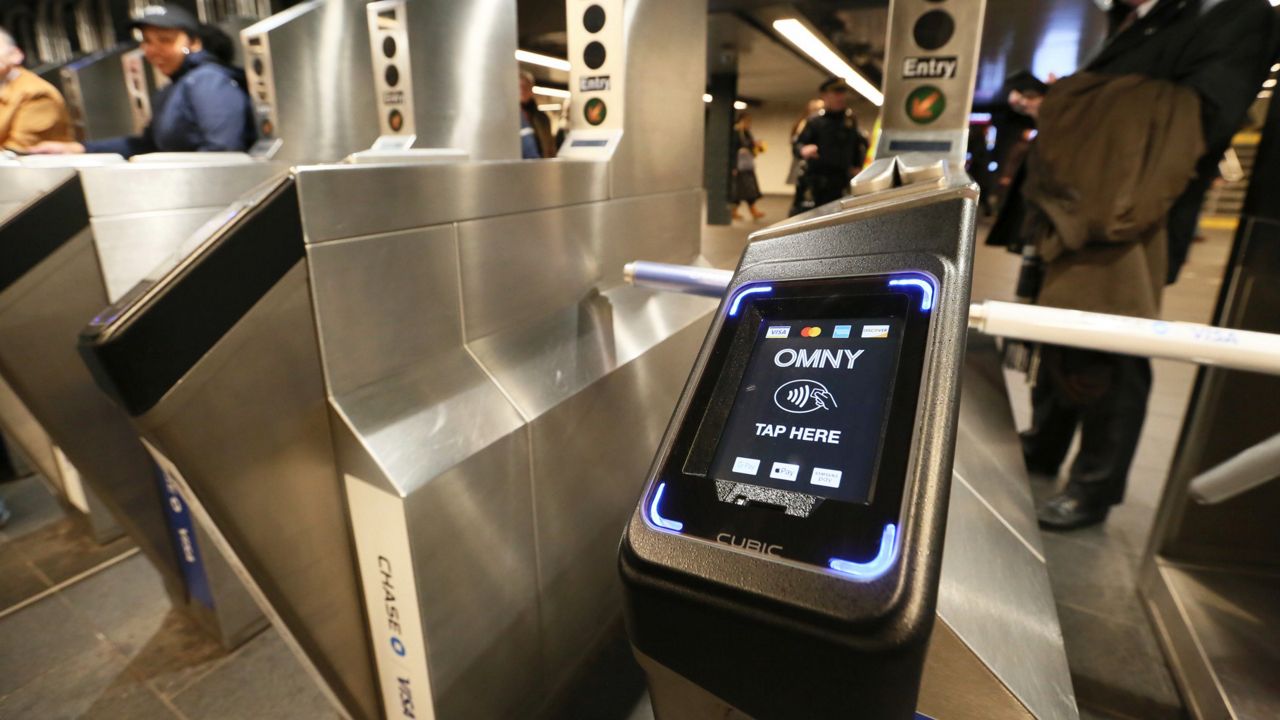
pixel 1122 146
pixel 31 110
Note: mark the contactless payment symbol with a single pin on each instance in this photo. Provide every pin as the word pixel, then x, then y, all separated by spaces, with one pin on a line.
pixel 813 331
pixel 803 396
pixel 926 104
pixel 595 111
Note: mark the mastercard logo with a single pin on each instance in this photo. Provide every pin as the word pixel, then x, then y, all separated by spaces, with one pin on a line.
pixel 811 332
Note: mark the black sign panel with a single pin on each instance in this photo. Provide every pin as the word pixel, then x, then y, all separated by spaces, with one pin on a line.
pixel 810 411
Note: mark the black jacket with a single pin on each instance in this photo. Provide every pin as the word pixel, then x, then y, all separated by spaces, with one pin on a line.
pixel 840 145
pixel 1223 50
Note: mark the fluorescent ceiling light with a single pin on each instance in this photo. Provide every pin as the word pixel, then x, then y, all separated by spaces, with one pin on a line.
pixel 739 105
pixel 550 92
pixel 706 97
pixel 547 61
pixel 1269 83
pixel 817 50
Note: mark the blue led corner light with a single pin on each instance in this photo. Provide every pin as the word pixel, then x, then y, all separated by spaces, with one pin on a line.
pixel 656 518
pixel 873 568
pixel 925 287
pixel 737 299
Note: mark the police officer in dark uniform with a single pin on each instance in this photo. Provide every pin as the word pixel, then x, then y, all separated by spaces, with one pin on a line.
pixel 831 148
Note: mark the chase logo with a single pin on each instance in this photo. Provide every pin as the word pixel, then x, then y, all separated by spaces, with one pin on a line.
pixel 803 396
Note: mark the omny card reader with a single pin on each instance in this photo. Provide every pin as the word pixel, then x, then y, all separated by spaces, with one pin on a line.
pixel 784 558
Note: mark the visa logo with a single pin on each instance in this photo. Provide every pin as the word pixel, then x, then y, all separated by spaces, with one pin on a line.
pixel 778 331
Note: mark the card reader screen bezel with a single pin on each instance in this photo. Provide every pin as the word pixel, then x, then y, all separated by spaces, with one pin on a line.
pixel 800 527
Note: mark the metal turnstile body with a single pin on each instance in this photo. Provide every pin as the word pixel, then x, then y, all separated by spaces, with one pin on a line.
pixel 995 648
pixel 551 342
pixel 1210 577
pixel 96 91
pixel 59 282
pixel 225 385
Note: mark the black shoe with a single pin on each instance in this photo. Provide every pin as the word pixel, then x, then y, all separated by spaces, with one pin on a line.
pixel 1065 511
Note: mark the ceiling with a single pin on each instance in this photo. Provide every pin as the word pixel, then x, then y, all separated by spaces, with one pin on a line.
pixel 767 70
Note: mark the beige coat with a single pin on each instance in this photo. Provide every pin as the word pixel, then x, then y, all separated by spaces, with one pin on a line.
pixel 1112 155
pixel 31 111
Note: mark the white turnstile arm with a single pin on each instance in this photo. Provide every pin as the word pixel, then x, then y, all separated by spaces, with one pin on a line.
pixel 1256 466
pixel 1187 342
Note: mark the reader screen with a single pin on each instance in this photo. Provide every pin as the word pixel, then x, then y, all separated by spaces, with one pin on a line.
pixel 810 413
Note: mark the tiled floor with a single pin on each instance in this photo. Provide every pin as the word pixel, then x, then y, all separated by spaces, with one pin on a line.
pixel 109 645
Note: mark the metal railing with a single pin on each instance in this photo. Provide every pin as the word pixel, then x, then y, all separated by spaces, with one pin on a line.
pixel 1180 341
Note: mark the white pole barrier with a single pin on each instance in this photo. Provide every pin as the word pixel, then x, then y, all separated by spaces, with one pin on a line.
pixel 1256 466
pixel 1186 342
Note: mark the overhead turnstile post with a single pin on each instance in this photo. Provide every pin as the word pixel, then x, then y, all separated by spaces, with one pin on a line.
pixel 930 69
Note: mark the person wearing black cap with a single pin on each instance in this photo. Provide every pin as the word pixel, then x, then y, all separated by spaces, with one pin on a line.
pixel 831 148
pixel 204 109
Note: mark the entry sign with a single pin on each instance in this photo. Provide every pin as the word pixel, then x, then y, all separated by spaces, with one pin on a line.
pixel 929 68
pixel 597 51
pixel 392 74
pixel 932 63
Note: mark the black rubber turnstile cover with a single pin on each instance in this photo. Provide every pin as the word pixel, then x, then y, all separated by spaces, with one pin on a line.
pixel 30 236
pixel 141 347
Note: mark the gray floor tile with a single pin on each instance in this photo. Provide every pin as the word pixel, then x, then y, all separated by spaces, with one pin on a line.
pixel 32 504
pixel 20 580
pixel 261 680
pixel 93 684
pixel 179 653
pixel 1097 579
pixel 1118 666
pixel 37 639
pixel 1125 531
pixel 126 602
pixel 65 548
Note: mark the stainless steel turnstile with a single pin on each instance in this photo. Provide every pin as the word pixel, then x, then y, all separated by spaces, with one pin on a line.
pixel 60 278
pixel 96 89
pixel 1210 577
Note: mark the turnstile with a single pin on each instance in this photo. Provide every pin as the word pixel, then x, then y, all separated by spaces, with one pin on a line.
pixel 102 91
pixel 56 278
pixel 814 352
pixel 1210 576
pixel 217 363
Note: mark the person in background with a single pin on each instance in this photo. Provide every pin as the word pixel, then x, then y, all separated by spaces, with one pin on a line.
pixel 31 110
pixel 1171 86
pixel 831 148
pixel 204 109
pixel 536 140
pixel 797 167
pixel 746 187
